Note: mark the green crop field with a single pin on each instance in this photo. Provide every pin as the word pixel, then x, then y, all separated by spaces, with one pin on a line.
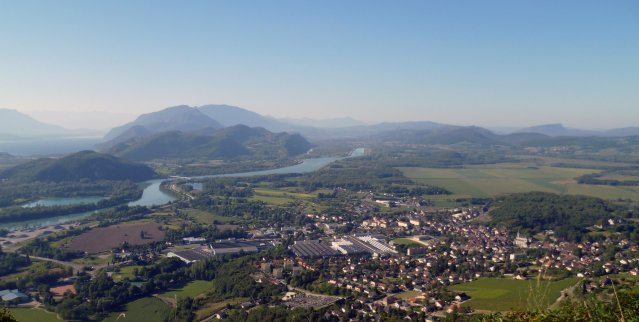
pixel 496 179
pixel 148 309
pixel 191 289
pixel 501 294
pixel 32 314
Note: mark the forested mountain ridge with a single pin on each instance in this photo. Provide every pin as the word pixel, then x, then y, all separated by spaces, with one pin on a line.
pixel 238 141
pixel 87 165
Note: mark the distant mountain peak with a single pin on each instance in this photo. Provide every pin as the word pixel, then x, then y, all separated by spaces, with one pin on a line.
pixel 176 118
pixel 15 123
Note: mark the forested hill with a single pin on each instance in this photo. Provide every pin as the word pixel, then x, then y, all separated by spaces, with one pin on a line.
pixel 82 165
pixel 233 142
pixel 568 216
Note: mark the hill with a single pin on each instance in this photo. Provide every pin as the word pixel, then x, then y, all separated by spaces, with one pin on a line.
pixel 234 142
pixel 567 215
pixel 178 118
pixel 78 166
pixel 560 130
pixel 15 124
pixel 451 135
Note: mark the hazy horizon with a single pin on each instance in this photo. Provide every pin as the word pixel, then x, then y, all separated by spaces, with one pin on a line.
pixel 492 64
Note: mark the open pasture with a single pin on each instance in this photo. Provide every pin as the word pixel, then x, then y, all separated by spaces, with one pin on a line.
pixel 191 289
pixel 497 179
pixel 502 294
pixel 34 314
pixel 148 309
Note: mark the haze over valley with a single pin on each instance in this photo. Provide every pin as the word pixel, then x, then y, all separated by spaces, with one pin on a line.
pixel 319 161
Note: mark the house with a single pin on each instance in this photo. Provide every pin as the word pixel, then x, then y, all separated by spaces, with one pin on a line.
pixel 59 291
pixel 461 297
pixel 13 296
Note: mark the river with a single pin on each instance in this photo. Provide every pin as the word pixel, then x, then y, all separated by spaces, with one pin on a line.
pixel 154 196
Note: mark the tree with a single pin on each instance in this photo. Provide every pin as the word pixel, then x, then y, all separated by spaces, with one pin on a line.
pixel 5 316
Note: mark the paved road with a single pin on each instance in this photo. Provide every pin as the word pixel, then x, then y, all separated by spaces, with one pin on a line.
pixel 76 267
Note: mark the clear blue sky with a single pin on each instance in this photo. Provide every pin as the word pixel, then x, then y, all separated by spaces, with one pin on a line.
pixel 490 63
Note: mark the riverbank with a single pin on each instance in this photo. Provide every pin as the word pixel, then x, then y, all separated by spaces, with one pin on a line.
pixel 153 194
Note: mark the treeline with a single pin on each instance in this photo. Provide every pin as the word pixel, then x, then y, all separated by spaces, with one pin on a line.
pixel 568 216
pixel 210 232
pixel 11 262
pixel 596 178
pixel 248 209
pixel 41 248
pixel 236 166
pixel 119 214
pixel 124 195
pixel 12 193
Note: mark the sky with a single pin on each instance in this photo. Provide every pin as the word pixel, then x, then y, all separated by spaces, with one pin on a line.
pixel 488 63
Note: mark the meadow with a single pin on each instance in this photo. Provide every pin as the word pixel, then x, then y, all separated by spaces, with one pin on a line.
pixel 32 314
pixel 501 294
pixel 148 309
pixel 497 179
pixel 191 289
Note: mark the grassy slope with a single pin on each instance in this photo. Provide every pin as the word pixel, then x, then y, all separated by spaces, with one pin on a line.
pixel 148 309
pixel 39 315
pixel 191 289
pixel 501 294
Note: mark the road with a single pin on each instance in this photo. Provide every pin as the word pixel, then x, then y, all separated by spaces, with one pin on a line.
pixel 76 267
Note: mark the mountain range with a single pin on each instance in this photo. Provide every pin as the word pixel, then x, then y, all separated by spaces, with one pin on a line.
pixel 15 125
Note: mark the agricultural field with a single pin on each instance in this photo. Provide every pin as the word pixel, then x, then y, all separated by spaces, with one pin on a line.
pixel 33 314
pixel 148 309
pixel 103 239
pixel 191 289
pixel 496 179
pixel 501 294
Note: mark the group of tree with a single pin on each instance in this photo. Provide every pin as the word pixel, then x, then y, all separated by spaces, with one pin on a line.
pixel 568 216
